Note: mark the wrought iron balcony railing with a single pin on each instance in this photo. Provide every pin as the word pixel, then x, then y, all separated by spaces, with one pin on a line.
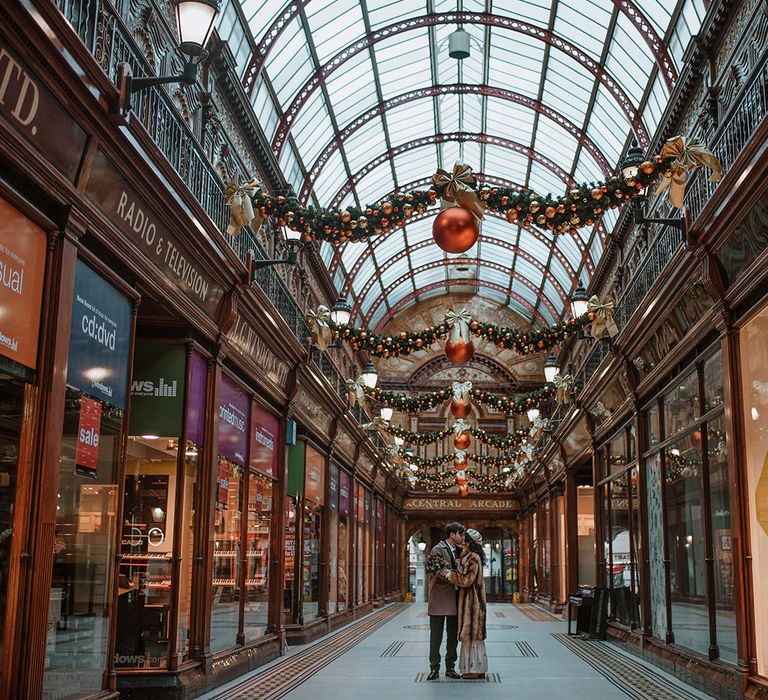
pixel 102 30
pixel 732 135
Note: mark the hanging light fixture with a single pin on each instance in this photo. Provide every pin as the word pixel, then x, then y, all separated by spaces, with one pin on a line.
pixel 551 367
pixel 632 161
pixel 579 301
pixel 386 413
pixel 370 376
pixel 533 414
pixel 341 312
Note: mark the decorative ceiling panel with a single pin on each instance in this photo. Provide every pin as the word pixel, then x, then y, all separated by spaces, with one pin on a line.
pixel 360 99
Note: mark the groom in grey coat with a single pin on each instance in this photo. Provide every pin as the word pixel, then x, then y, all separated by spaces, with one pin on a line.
pixel 443 606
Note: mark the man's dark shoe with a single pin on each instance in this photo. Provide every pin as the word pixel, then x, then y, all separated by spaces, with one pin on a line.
pixel 434 674
pixel 450 673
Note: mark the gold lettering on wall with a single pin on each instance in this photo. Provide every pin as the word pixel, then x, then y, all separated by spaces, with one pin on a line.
pixel 438 504
pixel 245 338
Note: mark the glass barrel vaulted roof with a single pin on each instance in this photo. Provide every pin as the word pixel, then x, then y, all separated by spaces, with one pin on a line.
pixel 359 99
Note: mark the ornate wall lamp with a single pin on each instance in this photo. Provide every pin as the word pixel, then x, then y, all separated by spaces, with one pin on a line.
pixel 629 167
pixel 194 21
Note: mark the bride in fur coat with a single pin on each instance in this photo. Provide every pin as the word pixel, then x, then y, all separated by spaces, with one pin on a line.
pixel 473 662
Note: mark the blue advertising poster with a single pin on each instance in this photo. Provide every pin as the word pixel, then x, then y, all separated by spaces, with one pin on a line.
pixel 100 338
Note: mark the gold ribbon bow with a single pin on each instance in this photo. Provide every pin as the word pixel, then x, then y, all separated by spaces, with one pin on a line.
pixel 459 456
pixel 355 390
pixel 458 187
pixel 526 453
pixel 538 427
pixel 461 390
pixel 563 386
pixel 378 423
pixel 602 317
pixel 600 410
pixel 322 335
pixel 459 324
pixel 239 201
pixel 460 426
pixel 689 154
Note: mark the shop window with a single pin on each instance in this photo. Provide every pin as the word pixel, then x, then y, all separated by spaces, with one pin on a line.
pixel 345 531
pixel 620 559
pixel 585 529
pixel 191 505
pixel 617 457
pixel 231 481
pixel 713 381
pixel 314 500
pixel 145 578
pixel 681 404
pixel 257 555
pixel 722 540
pixel 289 556
pixel 658 591
pixel 227 555
pixel 12 392
pixel 653 426
pixel 754 382
pixel 83 542
pixel 333 537
pixel 685 535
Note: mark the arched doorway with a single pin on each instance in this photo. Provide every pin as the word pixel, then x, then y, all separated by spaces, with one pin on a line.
pixel 501 569
pixel 501 546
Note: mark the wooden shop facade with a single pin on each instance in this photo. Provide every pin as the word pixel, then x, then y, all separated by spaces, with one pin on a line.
pixel 183 489
pixel 651 483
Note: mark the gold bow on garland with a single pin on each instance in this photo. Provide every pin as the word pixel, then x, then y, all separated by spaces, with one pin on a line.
pixel 322 335
pixel 688 155
pixel 601 313
pixel 355 390
pixel 459 187
pixel 378 423
pixel 239 200
pixel 459 324
pixel 563 386
pixel 538 426
pixel 460 426
pixel 461 390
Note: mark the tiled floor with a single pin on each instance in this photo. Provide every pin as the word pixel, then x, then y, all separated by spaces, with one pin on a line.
pixel 529 659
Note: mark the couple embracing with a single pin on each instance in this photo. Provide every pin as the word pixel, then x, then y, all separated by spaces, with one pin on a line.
pixel 457 603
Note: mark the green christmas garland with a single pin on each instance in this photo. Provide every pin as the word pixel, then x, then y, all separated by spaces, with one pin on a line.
pixel 501 442
pixel 418 403
pixel 581 206
pixel 418 438
pixel 505 338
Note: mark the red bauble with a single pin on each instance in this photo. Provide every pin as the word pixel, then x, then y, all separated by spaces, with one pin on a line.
pixel 455 229
pixel 459 352
pixel 461 477
pixel 461 442
pixel 459 409
pixel 463 491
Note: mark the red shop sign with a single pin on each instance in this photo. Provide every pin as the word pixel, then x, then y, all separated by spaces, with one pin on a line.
pixel 88 436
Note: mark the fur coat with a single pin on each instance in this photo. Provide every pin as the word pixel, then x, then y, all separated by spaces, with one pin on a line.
pixel 468 576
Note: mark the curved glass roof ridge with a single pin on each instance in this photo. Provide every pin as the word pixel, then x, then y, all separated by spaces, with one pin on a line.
pixel 360 99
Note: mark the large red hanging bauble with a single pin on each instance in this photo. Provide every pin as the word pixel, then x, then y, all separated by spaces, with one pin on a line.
pixel 461 442
pixel 460 409
pixel 455 229
pixel 463 491
pixel 459 352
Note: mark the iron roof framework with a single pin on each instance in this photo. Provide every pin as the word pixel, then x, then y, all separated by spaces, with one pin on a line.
pixel 360 99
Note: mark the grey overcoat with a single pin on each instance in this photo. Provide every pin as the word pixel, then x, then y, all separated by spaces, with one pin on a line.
pixel 443 597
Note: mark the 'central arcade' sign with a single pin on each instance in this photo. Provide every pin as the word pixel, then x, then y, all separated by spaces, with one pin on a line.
pixel 451 504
